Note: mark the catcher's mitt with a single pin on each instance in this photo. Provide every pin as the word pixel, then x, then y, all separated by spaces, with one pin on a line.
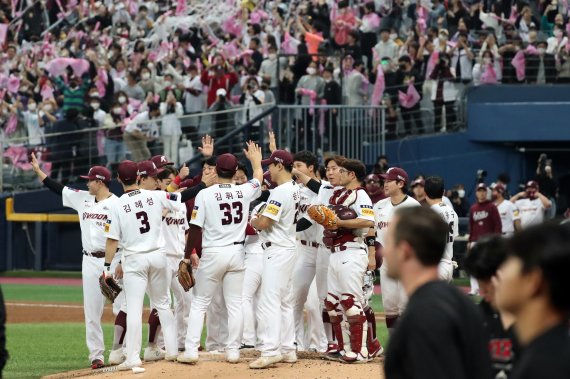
pixel 185 275
pixel 109 287
pixel 323 215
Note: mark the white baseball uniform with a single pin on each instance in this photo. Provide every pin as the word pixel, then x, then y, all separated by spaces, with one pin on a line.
pixel 531 212
pixel 310 266
pixel 221 211
pixel 276 323
pixel 92 218
pixel 217 323
pixel 509 214
pixel 394 298
pixel 136 221
pixel 251 283
pixel 445 267
pixel 174 226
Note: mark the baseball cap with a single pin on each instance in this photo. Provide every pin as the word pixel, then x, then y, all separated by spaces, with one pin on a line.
pixel 98 173
pixel 279 156
pixel 395 173
pixel 161 161
pixel 267 180
pixel 418 182
pixel 148 168
pixel 481 186
pixel 221 92
pixel 372 177
pixel 227 162
pixel 531 184
pixel 499 188
pixel 127 171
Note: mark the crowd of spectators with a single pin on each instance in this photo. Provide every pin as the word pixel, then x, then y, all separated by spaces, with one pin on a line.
pixel 123 65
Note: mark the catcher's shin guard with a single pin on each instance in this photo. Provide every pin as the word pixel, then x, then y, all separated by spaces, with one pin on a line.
pixel 374 346
pixel 357 327
pixel 335 317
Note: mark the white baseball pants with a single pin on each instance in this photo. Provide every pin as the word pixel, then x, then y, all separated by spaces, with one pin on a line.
pixel 217 322
pixel 182 300
pixel 394 297
pixel 250 296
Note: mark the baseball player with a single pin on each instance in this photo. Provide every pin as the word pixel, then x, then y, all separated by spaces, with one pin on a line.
pixel 531 204
pixel 277 222
pixel 311 264
pixel 374 188
pixel 434 189
pixel 136 221
pixel 93 209
pixel 394 298
pixel 220 216
pixel 510 215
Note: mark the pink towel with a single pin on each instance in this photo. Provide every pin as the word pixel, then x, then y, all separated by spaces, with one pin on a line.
pixel 410 98
pixel 489 76
pixel 519 63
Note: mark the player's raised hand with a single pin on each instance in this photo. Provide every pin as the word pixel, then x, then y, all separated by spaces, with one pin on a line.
pixel 253 152
pixel 184 172
pixel 272 143
pixel 36 167
pixel 207 148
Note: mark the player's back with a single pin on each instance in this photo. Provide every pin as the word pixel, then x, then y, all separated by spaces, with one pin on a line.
pixel 222 212
pixel 450 217
pixel 138 214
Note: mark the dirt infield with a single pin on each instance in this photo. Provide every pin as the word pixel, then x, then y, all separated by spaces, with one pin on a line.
pixel 213 366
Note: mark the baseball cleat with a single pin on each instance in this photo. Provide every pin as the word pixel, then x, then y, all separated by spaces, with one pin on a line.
pixel 116 357
pixel 290 357
pixel 126 367
pixel 232 356
pixel 153 354
pixel 171 358
pixel 188 358
pixel 97 363
pixel 247 347
pixel 375 350
pixel 352 357
pixel 263 362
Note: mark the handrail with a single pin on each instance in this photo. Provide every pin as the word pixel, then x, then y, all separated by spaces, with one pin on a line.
pixel 231 134
pixel 13 216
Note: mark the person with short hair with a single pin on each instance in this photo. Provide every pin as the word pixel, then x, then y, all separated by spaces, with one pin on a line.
pixel 510 215
pixel 441 334
pixel 531 204
pixel 533 284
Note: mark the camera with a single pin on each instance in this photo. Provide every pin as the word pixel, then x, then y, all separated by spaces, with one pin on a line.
pixel 481 175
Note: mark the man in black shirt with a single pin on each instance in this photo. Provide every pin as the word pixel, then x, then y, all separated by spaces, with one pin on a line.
pixel 482 263
pixel 441 334
pixel 533 285
pixel 405 76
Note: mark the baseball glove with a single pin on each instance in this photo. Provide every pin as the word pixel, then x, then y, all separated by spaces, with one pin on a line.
pixel 323 215
pixel 109 287
pixel 185 275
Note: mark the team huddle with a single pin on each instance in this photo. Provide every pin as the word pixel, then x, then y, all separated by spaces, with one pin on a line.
pixel 248 257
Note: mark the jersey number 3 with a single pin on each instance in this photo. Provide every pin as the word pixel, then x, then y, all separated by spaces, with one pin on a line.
pixel 228 216
pixel 142 216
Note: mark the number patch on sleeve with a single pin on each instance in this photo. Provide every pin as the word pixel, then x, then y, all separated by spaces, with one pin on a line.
pixel 194 213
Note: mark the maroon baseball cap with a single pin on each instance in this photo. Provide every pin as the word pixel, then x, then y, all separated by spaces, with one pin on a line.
pixel 372 177
pixel 161 161
pixel 227 163
pixel 532 184
pixel 481 186
pixel 98 173
pixel 279 156
pixel 127 171
pixel 270 184
pixel 148 168
pixel 499 188
pixel 395 173
pixel 418 182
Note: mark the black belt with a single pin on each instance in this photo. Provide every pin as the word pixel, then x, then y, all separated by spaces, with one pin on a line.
pixel 96 254
pixel 336 249
pixel 311 244
pixel 239 243
pixel 265 245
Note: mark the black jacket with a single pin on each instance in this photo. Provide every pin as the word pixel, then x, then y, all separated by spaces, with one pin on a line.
pixel 333 93
pixel 533 64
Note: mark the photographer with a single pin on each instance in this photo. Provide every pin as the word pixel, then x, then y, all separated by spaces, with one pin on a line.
pixel 546 183
pixel 444 94
pixel 217 77
pixel 531 205
pixel 251 99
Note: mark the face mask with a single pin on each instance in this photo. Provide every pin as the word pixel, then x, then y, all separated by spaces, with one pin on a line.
pixel 557 33
pixel 122 99
pixel 328 80
pixel 110 54
pixel 48 108
pixel 32 107
pixel 94 94
pixel 167 83
pixel 24 88
pixel 272 56
pixel 96 106
pixel 486 60
pixel 541 50
pixel 311 71
pixel 393 36
pixel 145 76
pixel 117 111
pixel 443 37
pixel 461 193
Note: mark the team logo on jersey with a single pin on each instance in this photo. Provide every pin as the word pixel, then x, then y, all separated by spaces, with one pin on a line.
pixel 367 210
pixel 194 213
pixel 254 183
pixel 272 208
pixel 171 196
pixel 107 226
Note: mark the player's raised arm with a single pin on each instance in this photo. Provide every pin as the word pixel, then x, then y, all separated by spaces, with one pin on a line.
pixel 46 180
pixel 311 183
pixel 253 153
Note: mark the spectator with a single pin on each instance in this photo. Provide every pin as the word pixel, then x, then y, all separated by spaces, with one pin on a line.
pixel 484 219
pixel 381 165
pixel 147 81
pixel 533 286
pixel 374 188
pixel 418 191
pixel 223 122
pixel 546 183
pixel 63 145
pixel 217 77
pixel 487 71
pixel 457 197
pixel 193 103
pixel 352 46
pixel 482 263
pixel 343 23
pixel 510 215
pixel 135 136
pixel 252 99
pixel 132 89
pixel 385 47
pixel 436 18
pixel 369 27
pixel 114 146
pixel 74 92
pixel 444 94
pixel 462 59
pixel 171 110
pixel 531 204
pixel 268 69
pixel 455 12
pixel 333 96
pixel 408 76
pixel 541 68
pixel 33 122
